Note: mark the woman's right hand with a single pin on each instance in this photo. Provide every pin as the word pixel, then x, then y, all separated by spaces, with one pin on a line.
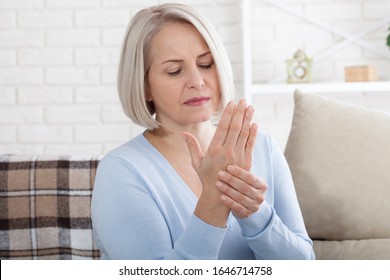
pixel 233 143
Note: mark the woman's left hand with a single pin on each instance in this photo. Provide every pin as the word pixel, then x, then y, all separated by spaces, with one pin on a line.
pixel 242 191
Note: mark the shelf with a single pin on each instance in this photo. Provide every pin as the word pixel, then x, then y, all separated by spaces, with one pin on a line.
pixel 250 89
pixel 321 87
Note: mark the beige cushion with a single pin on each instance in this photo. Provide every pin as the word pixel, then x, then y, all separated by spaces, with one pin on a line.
pixel 339 157
pixel 366 249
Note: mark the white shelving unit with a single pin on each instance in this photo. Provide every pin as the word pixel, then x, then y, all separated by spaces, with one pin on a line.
pixel 251 89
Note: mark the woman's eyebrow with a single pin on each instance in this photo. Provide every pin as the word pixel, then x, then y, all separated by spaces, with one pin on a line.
pixel 172 60
pixel 181 60
pixel 204 54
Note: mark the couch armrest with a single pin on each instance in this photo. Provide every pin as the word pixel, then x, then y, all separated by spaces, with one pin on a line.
pixel 45 207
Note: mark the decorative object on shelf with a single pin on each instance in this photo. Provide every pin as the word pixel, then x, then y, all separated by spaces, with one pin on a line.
pixel 299 68
pixel 388 38
pixel 362 73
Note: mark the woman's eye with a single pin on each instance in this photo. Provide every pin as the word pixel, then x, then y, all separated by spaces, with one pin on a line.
pixel 174 73
pixel 206 65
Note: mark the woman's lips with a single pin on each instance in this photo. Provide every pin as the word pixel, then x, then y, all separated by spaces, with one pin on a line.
pixel 197 101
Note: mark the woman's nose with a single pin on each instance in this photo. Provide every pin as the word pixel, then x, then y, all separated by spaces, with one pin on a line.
pixel 195 79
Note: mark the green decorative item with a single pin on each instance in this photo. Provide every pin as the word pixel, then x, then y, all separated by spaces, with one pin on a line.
pixel 388 38
pixel 299 68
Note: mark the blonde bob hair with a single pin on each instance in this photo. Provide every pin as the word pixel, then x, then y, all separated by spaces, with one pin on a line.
pixel 135 59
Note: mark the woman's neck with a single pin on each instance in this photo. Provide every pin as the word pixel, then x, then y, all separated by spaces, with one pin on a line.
pixel 170 138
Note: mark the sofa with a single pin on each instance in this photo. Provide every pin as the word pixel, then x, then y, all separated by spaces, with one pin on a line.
pixel 45 207
pixel 339 157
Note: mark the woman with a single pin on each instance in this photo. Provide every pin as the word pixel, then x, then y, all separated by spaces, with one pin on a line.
pixel 186 188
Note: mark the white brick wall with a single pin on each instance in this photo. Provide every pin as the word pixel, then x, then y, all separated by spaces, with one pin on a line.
pixel 58 65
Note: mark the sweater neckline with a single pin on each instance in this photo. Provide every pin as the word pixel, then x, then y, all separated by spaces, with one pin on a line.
pixel 162 159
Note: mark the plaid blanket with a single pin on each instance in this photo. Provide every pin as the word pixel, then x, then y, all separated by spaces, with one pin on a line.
pixel 45 207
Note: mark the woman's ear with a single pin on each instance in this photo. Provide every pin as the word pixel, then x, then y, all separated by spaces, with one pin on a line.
pixel 148 97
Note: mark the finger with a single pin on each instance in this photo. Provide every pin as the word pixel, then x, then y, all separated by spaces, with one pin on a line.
pixel 239 197
pixel 237 209
pixel 223 125
pixel 236 124
pixel 239 190
pixel 194 148
pixel 250 146
pixel 236 176
pixel 246 127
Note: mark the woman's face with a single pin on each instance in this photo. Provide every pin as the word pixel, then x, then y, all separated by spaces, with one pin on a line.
pixel 182 79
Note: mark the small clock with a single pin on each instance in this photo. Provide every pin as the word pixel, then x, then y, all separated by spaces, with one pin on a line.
pixel 299 68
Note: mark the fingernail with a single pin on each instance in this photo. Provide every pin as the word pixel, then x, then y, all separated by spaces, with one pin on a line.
pixel 221 173
pixel 219 184
pixel 230 168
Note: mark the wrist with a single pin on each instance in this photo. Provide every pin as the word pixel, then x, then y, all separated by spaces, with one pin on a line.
pixel 212 211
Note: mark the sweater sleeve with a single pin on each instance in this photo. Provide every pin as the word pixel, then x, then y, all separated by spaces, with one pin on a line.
pixel 128 223
pixel 278 232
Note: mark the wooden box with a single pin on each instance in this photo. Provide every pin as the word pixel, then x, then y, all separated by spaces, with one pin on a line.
pixel 363 73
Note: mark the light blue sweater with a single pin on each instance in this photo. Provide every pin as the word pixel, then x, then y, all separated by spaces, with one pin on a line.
pixel 142 209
